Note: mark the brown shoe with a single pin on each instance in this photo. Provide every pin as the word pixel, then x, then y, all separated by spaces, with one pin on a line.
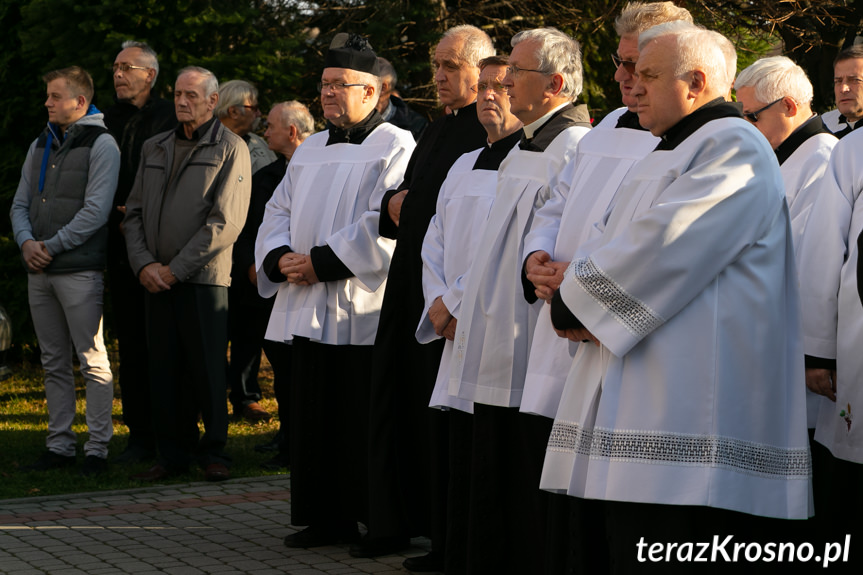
pixel 155 473
pixel 216 472
pixel 254 413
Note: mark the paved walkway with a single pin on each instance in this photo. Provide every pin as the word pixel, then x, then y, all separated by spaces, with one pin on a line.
pixel 236 526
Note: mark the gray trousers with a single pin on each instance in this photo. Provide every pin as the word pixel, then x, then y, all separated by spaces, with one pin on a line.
pixel 67 315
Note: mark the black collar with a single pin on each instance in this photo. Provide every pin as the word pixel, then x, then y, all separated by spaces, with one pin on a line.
pixel 811 127
pixel 713 110
pixel 198 133
pixel 491 156
pixel 356 133
pixel 629 120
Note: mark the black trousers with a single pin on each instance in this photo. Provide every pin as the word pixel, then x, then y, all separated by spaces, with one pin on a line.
pixel 329 433
pixel 187 330
pixel 129 322
pixel 247 324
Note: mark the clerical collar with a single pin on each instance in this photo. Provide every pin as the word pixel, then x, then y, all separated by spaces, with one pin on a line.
pixel 629 120
pixel 689 124
pixel 198 133
pixel 493 154
pixel 849 126
pixel 531 129
pixel 811 127
pixel 356 133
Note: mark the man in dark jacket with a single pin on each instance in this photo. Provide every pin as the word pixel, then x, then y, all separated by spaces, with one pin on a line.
pixel 137 115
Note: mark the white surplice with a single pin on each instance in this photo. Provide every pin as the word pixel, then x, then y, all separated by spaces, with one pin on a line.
pixel 802 173
pixel 586 189
pixel 696 395
pixel 448 250
pixel 332 195
pixel 832 312
pixel 493 334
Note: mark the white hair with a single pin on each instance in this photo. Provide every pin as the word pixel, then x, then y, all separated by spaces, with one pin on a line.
pixel 211 83
pixel 774 78
pixel 557 54
pixel 234 93
pixel 294 113
pixel 697 49
pixel 477 45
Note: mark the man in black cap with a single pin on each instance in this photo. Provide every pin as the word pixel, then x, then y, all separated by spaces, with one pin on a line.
pixel 319 250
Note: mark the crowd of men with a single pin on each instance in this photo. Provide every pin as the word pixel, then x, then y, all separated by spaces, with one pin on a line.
pixel 543 344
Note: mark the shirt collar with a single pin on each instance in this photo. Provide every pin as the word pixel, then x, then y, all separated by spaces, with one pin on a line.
pixel 531 129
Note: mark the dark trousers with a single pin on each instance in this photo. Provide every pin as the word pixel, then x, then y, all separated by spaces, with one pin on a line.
pixel 280 356
pixel 247 324
pixel 329 433
pixel 187 331
pixel 129 322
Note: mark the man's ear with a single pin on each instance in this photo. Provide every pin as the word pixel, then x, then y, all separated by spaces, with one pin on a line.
pixel 293 133
pixel 370 93
pixel 82 102
pixel 789 106
pixel 556 84
pixel 697 83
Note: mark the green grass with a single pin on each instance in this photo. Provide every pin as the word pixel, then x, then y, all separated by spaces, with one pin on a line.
pixel 24 424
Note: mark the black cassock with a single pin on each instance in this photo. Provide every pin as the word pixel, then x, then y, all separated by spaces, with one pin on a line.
pixel 408 440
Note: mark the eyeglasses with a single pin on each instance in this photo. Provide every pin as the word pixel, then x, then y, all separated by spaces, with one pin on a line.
pixel 515 70
pixel 627 65
pixel 753 116
pixel 495 87
pixel 254 108
pixel 123 67
pixel 336 86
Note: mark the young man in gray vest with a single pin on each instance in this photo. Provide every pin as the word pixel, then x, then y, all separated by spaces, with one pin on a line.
pixel 59 216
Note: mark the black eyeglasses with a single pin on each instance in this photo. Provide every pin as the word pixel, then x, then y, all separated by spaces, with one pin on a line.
pixel 123 67
pixel 753 116
pixel 627 65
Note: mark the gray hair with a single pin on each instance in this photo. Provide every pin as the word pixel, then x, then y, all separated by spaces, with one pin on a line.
pixel 477 44
pixel 730 53
pixel 774 78
pixel 557 54
pixel 636 17
pixel 294 113
pixel 211 84
pixel 697 49
pixel 234 94
pixel 387 71
pixel 148 54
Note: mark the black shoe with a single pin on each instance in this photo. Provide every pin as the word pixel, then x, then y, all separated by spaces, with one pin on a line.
pixel 94 465
pixel 50 460
pixel 277 463
pixel 424 563
pixel 134 454
pixel 320 536
pixel 271 445
pixel 379 546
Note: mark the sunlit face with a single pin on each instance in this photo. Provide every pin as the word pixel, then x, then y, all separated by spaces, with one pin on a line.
pixel 133 85
pixel 344 107
pixel 772 121
pixel 192 105
pixel 453 76
pixel 527 89
pixel 493 107
pixel 848 88
pixel 63 106
pixel 662 98
pixel 277 134
pixel 627 50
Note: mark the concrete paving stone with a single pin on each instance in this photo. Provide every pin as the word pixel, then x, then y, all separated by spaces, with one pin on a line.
pixel 33 555
pixel 70 571
pixel 183 570
pixel 25 571
pixel 144 553
pixel 306 571
pixel 114 555
pixel 375 567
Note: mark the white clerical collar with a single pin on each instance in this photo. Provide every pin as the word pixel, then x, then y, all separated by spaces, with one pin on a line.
pixel 534 126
